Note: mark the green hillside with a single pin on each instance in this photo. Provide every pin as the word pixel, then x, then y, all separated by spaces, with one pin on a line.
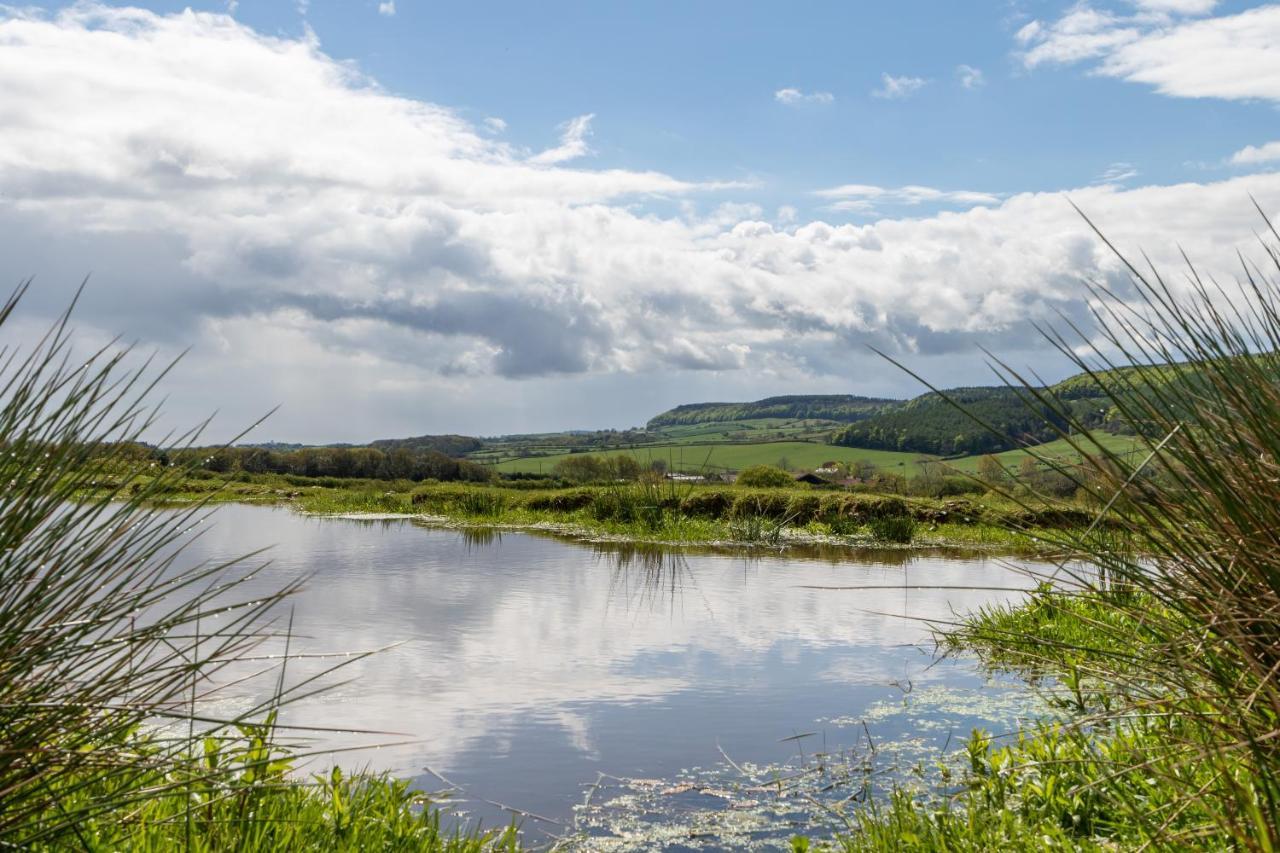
pixel 931 423
pixel 1058 449
pixel 450 445
pixel 842 408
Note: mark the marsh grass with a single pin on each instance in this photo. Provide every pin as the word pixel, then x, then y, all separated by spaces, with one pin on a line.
pixel 899 529
pixel 758 529
pixel 1163 623
pixel 483 504
pixel 112 642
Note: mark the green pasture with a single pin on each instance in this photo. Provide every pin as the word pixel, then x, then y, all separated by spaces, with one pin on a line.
pixel 1060 449
pixel 716 457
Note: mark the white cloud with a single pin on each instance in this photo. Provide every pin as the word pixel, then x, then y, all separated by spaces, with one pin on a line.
pixel 1029 32
pixel 495 125
pixel 1235 57
pixel 898 87
pixel 864 197
pixel 795 96
pixel 573 142
pixel 970 77
pixel 1177 7
pixel 1253 154
pixel 1117 173
pixel 388 8
pixel 289 219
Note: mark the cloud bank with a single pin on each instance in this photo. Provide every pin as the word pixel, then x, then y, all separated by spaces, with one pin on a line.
pixel 1165 45
pixel 292 220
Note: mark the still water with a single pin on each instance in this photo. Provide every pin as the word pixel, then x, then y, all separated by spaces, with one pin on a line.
pixel 637 699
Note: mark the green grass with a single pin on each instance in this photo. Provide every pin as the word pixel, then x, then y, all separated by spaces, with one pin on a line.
pixel 690 514
pixel 691 457
pixel 1058 450
pixel 1072 783
pixel 239 793
pixel 1161 659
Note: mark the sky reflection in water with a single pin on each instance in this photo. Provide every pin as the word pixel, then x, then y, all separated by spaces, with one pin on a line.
pixel 528 665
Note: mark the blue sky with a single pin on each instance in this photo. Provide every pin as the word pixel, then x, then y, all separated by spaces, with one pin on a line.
pixel 510 217
pixel 689 89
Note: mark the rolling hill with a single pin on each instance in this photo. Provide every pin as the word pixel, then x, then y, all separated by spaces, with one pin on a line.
pixel 843 408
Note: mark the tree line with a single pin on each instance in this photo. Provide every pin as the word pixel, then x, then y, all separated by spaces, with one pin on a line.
pixel 398 463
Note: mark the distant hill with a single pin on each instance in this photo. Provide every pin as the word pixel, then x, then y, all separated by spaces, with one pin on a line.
pixel 450 445
pixel 931 424
pixel 844 408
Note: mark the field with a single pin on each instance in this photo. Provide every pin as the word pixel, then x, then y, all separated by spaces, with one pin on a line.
pixel 1060 449
pixel 506 448
pixel 695 456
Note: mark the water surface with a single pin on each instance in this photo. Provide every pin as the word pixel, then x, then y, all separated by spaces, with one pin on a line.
pixel 536 673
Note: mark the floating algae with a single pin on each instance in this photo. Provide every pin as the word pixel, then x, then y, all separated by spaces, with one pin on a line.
pixel 904 742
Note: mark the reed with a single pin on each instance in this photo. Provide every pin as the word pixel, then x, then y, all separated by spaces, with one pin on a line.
pixel 112 640
pixel 1164 626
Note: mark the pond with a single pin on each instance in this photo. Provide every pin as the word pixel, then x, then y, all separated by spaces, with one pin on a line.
pixel 637 698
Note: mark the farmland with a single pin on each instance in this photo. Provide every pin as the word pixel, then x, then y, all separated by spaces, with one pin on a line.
pixel 725 456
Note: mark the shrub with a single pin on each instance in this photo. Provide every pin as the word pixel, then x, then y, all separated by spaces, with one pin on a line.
pixel 765 477
pixel 707 503
pixel 570 501
pixel 768 504
pixel 803 508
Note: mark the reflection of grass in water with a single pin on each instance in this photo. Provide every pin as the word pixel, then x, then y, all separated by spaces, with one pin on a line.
pixel 749 806
pixel 646 575
pixel 480 537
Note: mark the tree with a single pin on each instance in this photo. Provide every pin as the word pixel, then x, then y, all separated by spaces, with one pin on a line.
pixel 991 472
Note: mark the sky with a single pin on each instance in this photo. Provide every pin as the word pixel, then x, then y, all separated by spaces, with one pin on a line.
pixel 395 218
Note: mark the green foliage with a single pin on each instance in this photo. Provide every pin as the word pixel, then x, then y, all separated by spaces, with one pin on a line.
pixel 449 445
pixel 765 477
pixel 105 634
pixel 591 468
pixel 236 792
pixel 948 423
pixel 831 407
pixel 894 528
pixel 475 502
pixel 394 463
pixel 1163 649
pixel 757 529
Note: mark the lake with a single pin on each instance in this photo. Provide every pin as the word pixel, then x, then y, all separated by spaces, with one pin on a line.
pixel 644 699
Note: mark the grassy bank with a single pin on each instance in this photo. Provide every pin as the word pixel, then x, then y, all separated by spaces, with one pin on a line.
pixel 662 511
pixel 1160 641
pixel 238 792
pixel 1115 770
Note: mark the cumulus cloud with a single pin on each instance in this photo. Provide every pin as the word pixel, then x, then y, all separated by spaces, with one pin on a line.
pixel 290 219
pixel 795 96
pixel 1251 155
pixel 573 142
pixel 495 125
pixel 1166 44
pixel 970 77
pixel 898 87
pixel 387 8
